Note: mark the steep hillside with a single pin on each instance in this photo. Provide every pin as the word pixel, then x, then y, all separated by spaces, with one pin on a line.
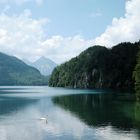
pixel 98 67
pixel 15 72
pixel 136 75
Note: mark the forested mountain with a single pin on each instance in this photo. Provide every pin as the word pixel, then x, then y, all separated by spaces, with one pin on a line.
pixel 99 67
pixel 137 77
pixel 15 72
pixel 43 64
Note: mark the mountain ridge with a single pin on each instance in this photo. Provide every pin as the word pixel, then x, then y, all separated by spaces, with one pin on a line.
pixel 13 71
pixel 99 67
pixel 43 64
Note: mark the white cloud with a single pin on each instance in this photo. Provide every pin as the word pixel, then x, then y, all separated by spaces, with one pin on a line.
pixel 23 36
pixel 61 49
pixel 122 29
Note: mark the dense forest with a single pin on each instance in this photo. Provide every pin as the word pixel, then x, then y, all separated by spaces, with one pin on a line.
pixel 137 77
pixel 15 72
pixel 100 67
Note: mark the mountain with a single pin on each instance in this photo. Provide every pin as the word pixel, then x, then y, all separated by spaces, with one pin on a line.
pixel 136 75
pixel 27 62
pixel 43 64
pixel 98 67
pixel 13 71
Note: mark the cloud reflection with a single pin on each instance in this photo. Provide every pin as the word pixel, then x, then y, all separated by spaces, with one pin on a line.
pixel 24 124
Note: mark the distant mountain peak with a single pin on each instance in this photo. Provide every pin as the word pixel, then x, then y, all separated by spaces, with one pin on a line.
pixel 43 58
pixel 44 65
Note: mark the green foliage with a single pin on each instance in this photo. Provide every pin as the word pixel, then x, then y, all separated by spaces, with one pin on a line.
pixel 137 77
pixel 98 67
pixel 15 72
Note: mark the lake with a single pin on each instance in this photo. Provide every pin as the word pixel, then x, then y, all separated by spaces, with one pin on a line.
pixel 72 114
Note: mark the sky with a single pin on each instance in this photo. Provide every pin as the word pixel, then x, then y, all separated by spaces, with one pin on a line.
pixel 62 29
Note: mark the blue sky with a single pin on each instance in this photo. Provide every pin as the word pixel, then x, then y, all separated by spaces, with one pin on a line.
pixel 70 17
pixel 61 29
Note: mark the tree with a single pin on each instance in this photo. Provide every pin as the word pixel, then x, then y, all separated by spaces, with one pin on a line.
pixel 137 77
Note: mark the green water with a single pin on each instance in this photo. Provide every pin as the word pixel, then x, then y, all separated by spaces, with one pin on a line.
pixel 71 114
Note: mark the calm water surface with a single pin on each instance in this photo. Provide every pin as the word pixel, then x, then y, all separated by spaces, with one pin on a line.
pixel 71 114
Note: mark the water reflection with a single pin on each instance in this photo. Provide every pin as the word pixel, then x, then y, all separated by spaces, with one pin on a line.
pixel 12 104
pixel 22 126
pixel 102 109
pixel 137 113
pixel 74 117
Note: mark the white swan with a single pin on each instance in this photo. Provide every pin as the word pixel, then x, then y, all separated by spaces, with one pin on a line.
pixel 45 119
pixel 42 118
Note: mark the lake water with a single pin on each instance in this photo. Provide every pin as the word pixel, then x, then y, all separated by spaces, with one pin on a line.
pixel 71 114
